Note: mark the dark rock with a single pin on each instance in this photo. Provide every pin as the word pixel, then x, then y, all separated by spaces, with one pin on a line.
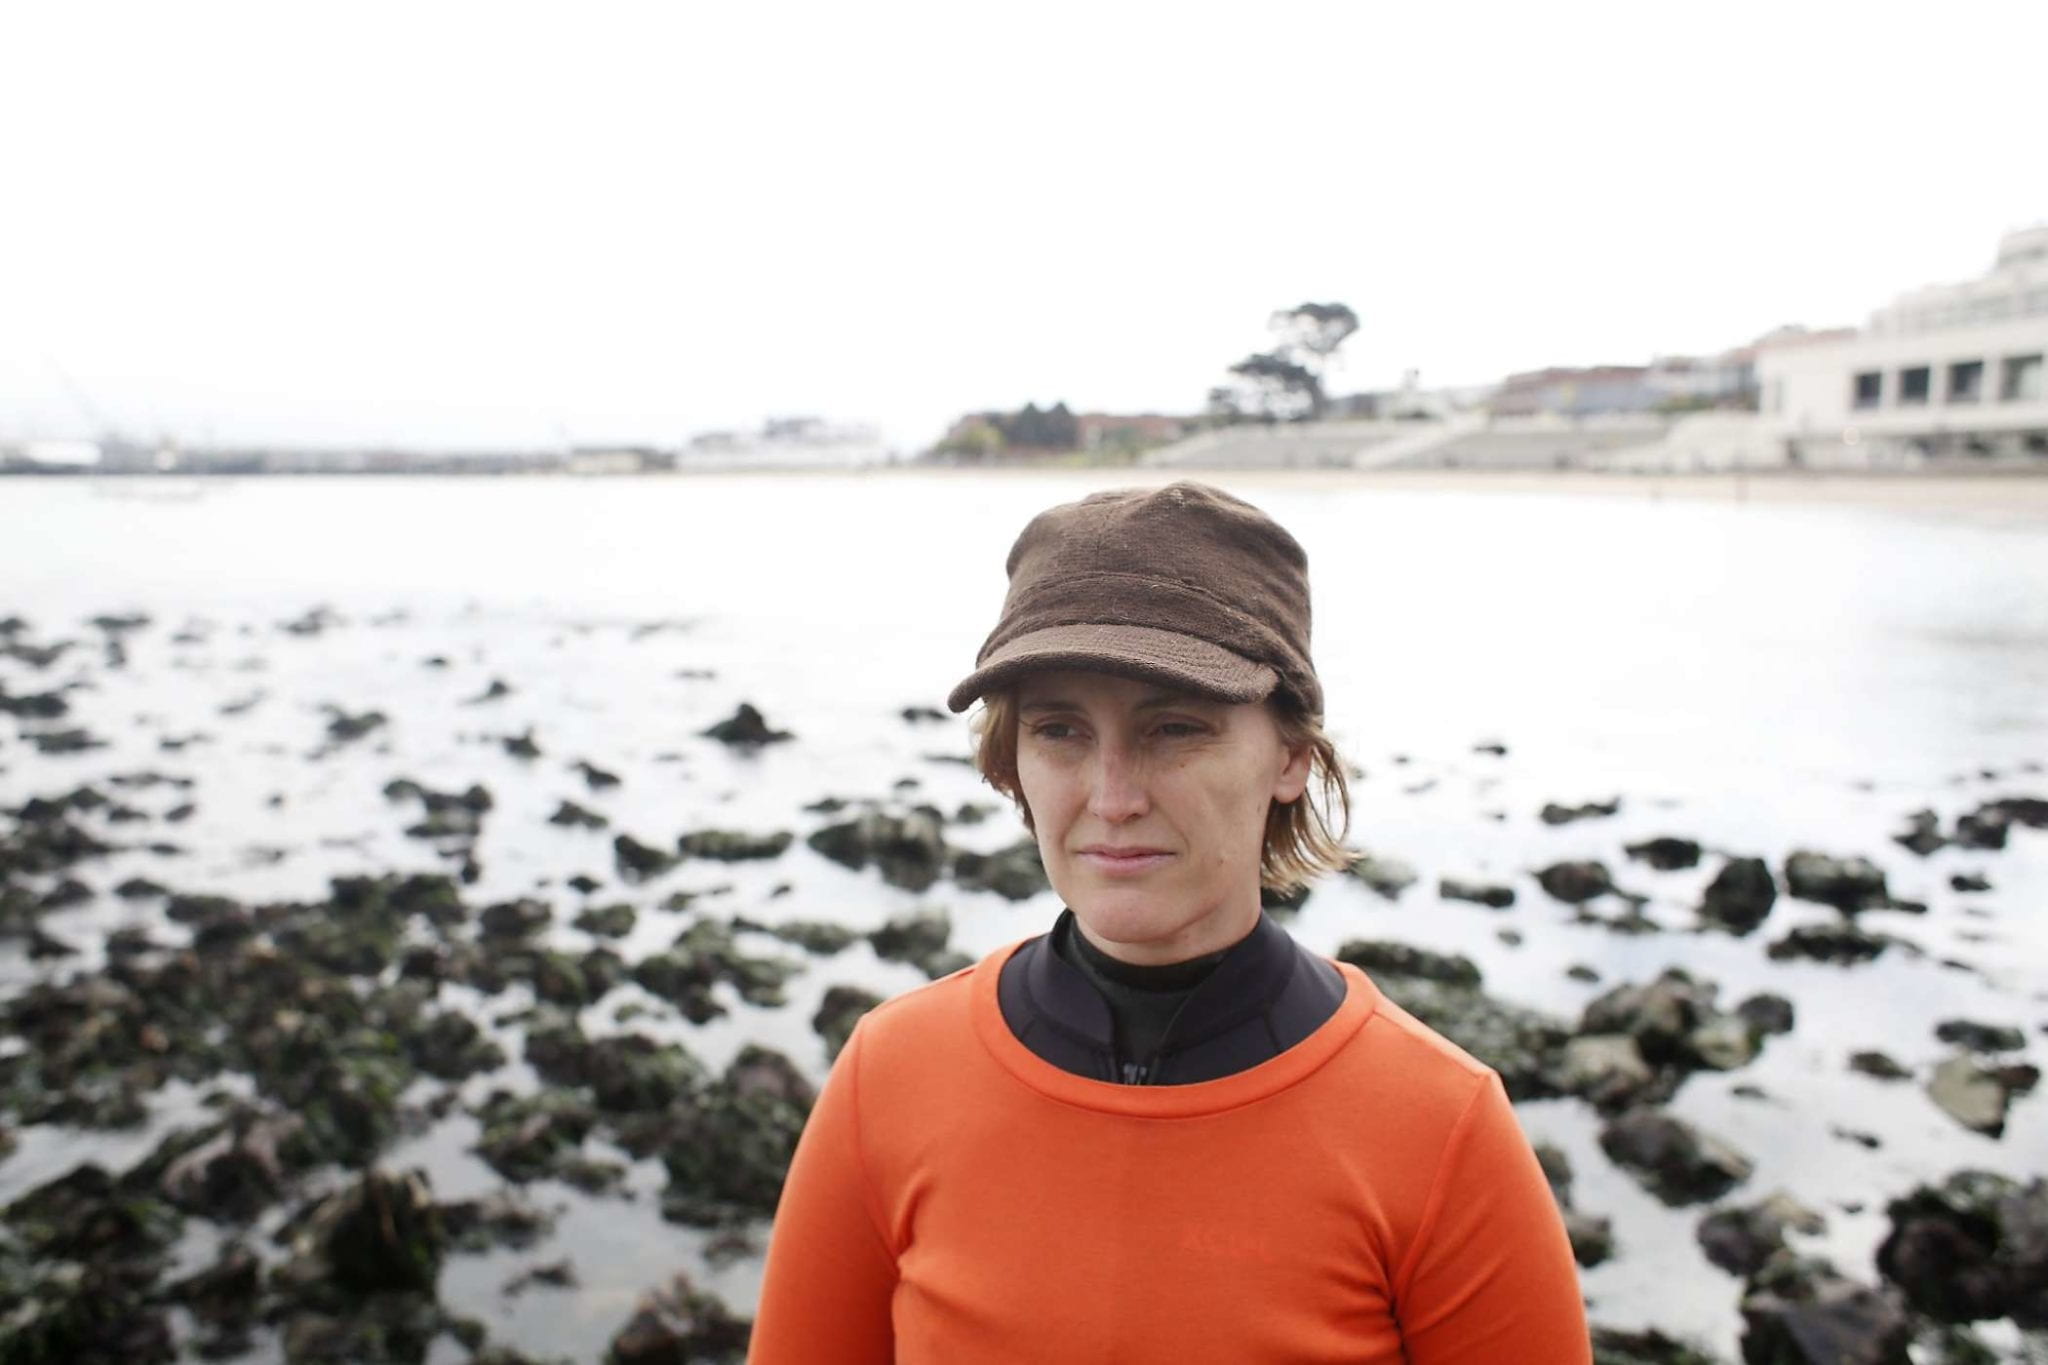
pixel 637 861
pixel 1969 881
pixel 1489 894
pixel 452 816
pixel 449 1045
pixel 34 705
pixel 910 849
pixel 1879 1065
pixel 1848 884
pixel 1575 882
pixel 733 846
pixel 54 742
pixel 1740 896
pixel 745 729
pixel 1555 814
pixel 1524 1046
pixel 1971 1249
pixel 1614 1347
pixel 1671 1159
pixel 521 746
pixel 1922 834
pixel 703 955
pixel 1766 1013
pixel 343 728
pixel 1800 1312
pixel 498 688
pixel 556 1274
pixel 838 1012
pixel 1845 944
pixel 1375 957
pixel 1015 873
pixel 382 1233
pixel 502 1218
pixel 920 939
pixel 139 888
pixel 1741 1240
pixel 919 714
pixel 1978 1096
pixel 1975 1037
pixel 677 1324
pixel 1608 1070
pixel 1388 877
pixel 569 813
pixel 515 919
pixel 726 1154
pixel 1665 853
pixel 813 936
pixel 596 778
pixel 606 921
pixel 525 1138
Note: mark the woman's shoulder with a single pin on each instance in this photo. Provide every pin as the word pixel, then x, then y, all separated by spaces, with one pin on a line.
pixel 1396 1043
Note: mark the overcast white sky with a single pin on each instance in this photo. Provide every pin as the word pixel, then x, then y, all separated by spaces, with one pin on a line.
pixel 487 224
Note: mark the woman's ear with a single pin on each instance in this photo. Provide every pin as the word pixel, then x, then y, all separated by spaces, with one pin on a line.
pixel 1292 780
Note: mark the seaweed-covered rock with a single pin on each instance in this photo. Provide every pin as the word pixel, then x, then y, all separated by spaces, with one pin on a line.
pixel 1612 1346
pixel 1767 1013
pixel 733 846
pixel 344 727
pixel 703 955
pixel 607 921
pixel 1975 1037
pixel 679 1323
pixel 526 1137
pixel 1879 1065
pixel 1015 873
pixel 818 937
pixel 1740 896
pixel 1554 813
pixel 381 1233
pixel 910 849
pixel 514 919
pixel 449 1045
pixel 727 1153
pixel 838 1012
pixel 1803 1312
pixel 502 1218
pixel 450 817
pixel 1381 956
pixel 1844 944
pixel 570 815
pixel 1576 882
pixel 1493 895
pixel 1922 833
pixel 1592 1238
pixel 1972 1248
pixel 637 862
pixel 1671 1159
pixel 920 939
pixel 1848 884
pixel 745 729
pixel 1665 853
pixel 1524 1046
pixel 1607 1070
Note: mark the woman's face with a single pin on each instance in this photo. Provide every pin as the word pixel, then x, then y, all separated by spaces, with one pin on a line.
pixel 1150 808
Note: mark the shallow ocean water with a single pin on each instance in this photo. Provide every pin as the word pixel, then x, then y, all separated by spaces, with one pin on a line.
pixel 1759 676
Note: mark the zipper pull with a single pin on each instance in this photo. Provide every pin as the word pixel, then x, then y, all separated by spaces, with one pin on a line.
pixel 1135 1073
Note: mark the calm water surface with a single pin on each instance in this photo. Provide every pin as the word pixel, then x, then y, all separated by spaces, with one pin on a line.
pixel 1758 676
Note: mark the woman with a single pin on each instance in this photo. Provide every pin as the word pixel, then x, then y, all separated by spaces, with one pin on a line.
pixel 1162 1131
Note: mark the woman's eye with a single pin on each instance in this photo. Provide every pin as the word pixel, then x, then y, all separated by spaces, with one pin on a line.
pixel 1053 730
pixel 1179 729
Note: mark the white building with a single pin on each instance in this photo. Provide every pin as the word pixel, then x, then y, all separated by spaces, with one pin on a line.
pixel 1952 369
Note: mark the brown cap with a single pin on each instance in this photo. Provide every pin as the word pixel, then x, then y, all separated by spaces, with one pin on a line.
pixel 1184 585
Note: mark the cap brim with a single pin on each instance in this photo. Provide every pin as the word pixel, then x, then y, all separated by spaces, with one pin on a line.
pixel 1143 652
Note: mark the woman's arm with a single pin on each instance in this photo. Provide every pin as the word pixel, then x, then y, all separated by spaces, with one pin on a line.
pixel 825 1295
pixel 1490 1277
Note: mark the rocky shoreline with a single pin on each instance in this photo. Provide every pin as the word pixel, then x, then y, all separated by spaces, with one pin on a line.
pixel 317 1035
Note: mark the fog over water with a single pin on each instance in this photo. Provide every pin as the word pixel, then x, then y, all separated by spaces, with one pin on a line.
pixel 1761 676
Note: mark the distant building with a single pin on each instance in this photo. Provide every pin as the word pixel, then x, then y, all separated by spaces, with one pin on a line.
pixel 1949 369
pixel 616 460
pixel 1105 431
pixel 785 443
pixel 1592 391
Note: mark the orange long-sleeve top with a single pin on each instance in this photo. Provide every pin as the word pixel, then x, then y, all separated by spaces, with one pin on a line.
pixel 1364 1197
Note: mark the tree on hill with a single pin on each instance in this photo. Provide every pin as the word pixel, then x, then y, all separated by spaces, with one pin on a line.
pixel 1286 383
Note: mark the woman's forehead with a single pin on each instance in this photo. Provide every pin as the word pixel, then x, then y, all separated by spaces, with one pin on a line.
pixel 1073 687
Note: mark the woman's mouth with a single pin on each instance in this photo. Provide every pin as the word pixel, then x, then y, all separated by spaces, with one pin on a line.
pixel 1123 862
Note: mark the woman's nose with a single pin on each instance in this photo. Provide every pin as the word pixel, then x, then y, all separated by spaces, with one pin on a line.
pixel 1117 789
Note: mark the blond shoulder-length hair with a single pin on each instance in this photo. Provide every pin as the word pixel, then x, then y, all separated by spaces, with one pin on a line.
pixel 1300 844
